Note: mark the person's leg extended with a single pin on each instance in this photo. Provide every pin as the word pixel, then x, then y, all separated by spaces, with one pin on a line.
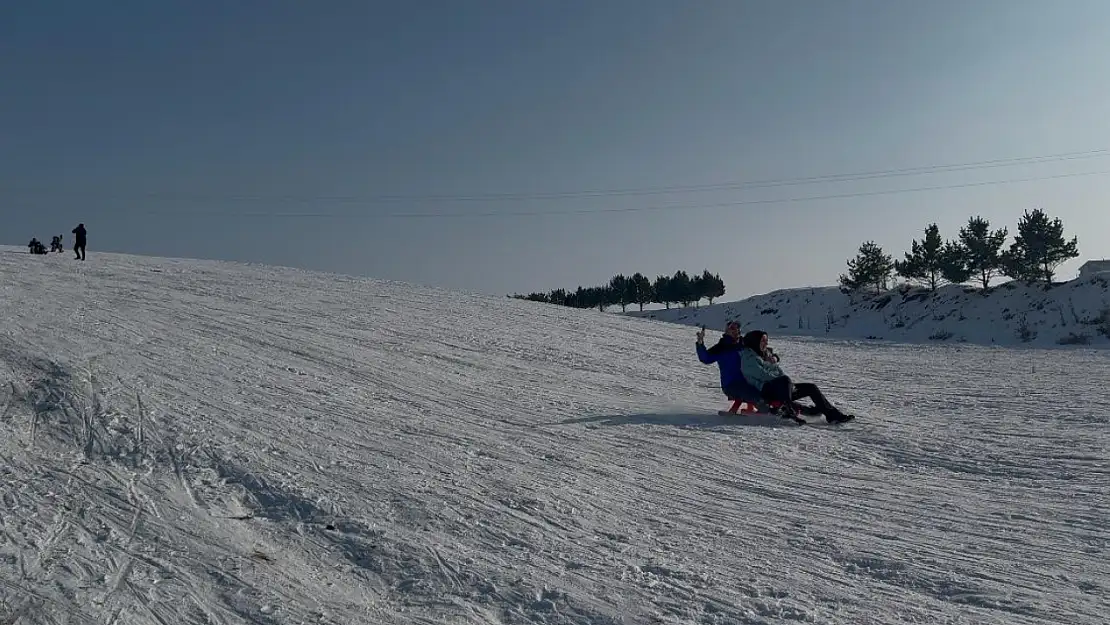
pixel 806 389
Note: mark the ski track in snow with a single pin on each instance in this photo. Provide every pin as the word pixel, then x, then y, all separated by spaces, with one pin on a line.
pixel 212 443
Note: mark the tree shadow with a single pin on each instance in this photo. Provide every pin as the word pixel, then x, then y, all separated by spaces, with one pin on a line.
pixel 686 420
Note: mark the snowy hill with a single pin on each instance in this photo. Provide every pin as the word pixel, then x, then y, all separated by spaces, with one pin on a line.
pixel 189 442
pixel 1014 313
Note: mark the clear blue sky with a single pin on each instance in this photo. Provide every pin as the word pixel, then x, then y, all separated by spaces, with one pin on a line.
pixel 273 131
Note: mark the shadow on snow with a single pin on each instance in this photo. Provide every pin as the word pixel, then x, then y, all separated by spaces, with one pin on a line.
pixel 688 420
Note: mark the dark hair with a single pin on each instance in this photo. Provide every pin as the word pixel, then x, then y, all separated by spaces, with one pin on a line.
pixel 753 338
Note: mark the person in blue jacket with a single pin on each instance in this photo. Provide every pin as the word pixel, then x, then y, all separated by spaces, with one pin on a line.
pixel 726 354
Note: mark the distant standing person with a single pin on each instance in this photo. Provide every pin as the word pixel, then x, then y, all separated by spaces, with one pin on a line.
pixel 79 242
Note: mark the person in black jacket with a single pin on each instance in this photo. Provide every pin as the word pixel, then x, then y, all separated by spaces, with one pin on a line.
pixel 79 242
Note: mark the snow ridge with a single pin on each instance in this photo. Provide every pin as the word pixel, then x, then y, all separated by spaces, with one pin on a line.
pixel 1073 313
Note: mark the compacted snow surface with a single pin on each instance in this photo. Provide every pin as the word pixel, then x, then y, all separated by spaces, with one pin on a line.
pixel 188 442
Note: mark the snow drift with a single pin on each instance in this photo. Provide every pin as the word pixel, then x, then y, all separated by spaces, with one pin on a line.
pixel 195 442
pixel 1011 314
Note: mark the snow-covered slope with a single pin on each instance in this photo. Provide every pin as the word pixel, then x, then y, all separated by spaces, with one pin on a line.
pixel 187 442
pixel 1014 313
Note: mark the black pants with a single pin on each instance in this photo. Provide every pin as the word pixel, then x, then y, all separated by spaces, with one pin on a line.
pixel 79 249
pixel 783 389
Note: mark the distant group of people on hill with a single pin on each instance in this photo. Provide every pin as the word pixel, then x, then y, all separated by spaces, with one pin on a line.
pixel 56 245
pixel 750 373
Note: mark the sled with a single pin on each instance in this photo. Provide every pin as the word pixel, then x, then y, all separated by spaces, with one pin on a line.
pixel 744 406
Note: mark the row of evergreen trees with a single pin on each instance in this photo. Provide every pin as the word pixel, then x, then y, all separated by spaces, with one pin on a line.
pixel 977 254
pixel 637 289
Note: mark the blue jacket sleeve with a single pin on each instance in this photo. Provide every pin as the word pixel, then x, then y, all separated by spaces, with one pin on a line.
pixel 704 355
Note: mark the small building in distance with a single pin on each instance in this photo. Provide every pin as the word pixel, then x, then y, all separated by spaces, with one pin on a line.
pixel 1093 267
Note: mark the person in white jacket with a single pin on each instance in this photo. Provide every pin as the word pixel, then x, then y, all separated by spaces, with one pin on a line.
pixel 761 370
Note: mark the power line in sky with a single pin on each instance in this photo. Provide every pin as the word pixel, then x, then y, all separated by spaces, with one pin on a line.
pixel 757 184
pixel 632 209
pixel 638 191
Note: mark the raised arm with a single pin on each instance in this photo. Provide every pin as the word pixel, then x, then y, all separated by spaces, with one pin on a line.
pixel 703 354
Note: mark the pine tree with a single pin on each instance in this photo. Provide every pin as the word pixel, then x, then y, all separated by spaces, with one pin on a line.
pixel 870 267
pixel 710 286
pixel 664 294
pixel 1039 248
pixel 697 287
pixel 682 288
pixel 925 261
pixel 573 299
pixel 600 297
pixel 620 291
pixel 982 249
pixel 642 291
pixel 1016 265
pixel 953 263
